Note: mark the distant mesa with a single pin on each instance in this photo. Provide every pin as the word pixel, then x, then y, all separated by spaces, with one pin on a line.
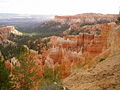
pixel 87 18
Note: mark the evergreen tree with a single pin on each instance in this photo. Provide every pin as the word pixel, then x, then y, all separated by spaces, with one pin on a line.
pixel 9 51
pixel 6 82
pixel 26 74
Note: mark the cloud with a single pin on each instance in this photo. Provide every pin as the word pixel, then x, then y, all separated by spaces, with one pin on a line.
pixel 4 1
pixel 59 6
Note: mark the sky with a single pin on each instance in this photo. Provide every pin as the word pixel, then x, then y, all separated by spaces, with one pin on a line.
pixel 59 7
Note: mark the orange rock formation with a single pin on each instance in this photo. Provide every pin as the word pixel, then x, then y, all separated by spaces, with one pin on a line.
pixel 70 50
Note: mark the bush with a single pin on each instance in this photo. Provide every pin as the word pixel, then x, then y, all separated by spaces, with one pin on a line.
pixel 101 59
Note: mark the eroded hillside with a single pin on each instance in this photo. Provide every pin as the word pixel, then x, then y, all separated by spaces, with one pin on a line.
pixel 106 74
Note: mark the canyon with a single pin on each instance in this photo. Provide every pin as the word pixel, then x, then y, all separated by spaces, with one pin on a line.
pixel 87 55
pixel 83 49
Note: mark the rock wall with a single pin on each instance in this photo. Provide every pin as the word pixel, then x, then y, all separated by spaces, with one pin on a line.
pixel 114 40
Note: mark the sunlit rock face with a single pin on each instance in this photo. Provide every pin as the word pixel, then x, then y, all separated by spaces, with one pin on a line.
pixel 87 18
pixel 6 31
pixel 14 31
pixel 63 58
pixel 114 40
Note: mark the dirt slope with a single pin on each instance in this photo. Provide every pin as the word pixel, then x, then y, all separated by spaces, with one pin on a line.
pixel 104 75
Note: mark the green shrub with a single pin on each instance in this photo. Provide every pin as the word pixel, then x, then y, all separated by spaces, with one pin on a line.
pixel 116 88
pixel 97 88
pixel 101 59
pixel 9 51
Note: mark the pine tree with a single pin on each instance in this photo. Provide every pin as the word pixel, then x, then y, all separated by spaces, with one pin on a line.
pixel 6 82
pixel 9 51
pixel 27 73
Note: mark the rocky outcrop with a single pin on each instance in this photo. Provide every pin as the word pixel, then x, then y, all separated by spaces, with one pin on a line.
pixel 14 31
pixel 114 40
pixel 6 31
pixel 87 18
pixel 69 51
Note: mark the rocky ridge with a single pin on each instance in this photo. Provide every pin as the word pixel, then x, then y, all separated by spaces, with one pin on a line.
pixel 87 18
pixel 6 31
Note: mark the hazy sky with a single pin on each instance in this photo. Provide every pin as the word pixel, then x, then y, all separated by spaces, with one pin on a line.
pixel 59 7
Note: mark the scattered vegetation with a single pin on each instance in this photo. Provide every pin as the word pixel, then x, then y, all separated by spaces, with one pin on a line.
pixel 9 51
pixel 51 80
pixel 116 88
pixel 38 44
pixel 77 67
pixel 98 88
pixel 77 32
pixel 73 32
pixel 51 28
pixel 101 59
